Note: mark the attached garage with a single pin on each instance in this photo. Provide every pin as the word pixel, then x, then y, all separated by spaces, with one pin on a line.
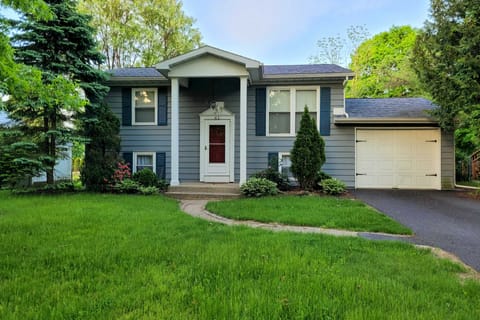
pixel 395 144
pixel 398 158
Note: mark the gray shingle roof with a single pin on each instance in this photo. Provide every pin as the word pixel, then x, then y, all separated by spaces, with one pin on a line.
pixel 136 73
pixel 303 69
pixel 388 108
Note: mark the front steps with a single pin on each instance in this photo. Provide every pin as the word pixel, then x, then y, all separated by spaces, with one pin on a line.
pixel 204 191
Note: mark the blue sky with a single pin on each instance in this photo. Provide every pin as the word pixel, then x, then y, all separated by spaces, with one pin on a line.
pixel 286 31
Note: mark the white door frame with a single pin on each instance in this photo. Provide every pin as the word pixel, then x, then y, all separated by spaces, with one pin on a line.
pixel 211 172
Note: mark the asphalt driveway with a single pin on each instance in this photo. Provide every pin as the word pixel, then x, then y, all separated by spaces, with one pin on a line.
pixel 441 219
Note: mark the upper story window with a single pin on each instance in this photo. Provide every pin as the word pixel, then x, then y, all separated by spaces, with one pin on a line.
pixel 285 107
pixel 144 111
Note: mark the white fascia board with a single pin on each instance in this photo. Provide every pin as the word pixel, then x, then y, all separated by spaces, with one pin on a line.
pixel 310 75
pixel 384 120
pixel 168 64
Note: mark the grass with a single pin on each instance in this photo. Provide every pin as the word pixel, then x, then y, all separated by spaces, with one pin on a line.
pixel 85 256
pixel 472 183
pixel 314 211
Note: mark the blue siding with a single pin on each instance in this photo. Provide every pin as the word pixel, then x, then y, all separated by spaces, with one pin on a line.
pixel 141 138
pixel 339 145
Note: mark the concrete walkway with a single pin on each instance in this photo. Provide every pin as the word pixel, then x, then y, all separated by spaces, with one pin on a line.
pixel 196 208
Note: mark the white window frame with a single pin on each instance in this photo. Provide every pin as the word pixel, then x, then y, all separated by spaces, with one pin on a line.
pixel 155 106
pixel 293 99
pixel 143 153
pixel 280 159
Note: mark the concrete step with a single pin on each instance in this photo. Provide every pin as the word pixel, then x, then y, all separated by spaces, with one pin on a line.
pixel 204 191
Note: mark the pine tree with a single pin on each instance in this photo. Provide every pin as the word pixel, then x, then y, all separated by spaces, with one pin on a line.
pixel 308 153
pixel 65 45
pixel 102 155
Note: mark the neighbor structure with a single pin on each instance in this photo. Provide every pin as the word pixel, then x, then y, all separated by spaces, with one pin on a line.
pixel 214 116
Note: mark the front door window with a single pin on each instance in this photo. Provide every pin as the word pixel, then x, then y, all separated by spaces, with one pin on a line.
pixel 217 144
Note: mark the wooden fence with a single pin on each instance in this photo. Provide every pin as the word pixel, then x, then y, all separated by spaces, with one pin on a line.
pixel 476 165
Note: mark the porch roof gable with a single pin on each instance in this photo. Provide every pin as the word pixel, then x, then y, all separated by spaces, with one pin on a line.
pixel 220 63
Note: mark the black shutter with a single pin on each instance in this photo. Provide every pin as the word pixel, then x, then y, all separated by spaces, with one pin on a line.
pixel 273 160
pixel 260 111
pixel 160 165
pixel 162 111
pixel 126 106
pixel 128 158
pixel 325 107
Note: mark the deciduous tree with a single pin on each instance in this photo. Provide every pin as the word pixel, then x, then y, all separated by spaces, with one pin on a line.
pixel 383 68
pixel 337 49
pixel 141 32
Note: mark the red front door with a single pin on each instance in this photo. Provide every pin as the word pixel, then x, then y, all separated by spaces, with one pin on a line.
pixel 217 144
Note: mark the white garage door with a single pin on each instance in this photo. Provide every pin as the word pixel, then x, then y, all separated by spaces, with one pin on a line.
pixel 404 159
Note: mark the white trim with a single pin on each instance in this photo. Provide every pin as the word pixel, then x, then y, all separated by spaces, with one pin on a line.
pixel 385 120
pixel 144 153
pixel 350 75
pixel 168 64
pixel 293 92
pixel 174 181
pixel 155 107
pixel 243 130
pixel 207 118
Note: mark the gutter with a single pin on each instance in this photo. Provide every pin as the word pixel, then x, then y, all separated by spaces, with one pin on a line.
pixel 385 121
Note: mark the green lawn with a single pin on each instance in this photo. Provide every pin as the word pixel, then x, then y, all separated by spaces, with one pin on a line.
pixel 314 211
pixel 473 183
pixel 136 257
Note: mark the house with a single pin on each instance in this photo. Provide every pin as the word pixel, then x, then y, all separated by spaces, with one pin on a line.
pixel 63 166
pixel 214 116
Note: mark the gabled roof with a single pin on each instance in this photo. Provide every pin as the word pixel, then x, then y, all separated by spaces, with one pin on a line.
pixel 305 70
pixel 244 66
pixel 387 110
pixel 249 63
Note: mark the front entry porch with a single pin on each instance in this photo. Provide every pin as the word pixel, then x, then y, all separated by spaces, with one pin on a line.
pixel 211 63
pixel 204 191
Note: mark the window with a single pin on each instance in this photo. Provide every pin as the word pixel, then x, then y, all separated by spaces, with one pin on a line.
pixel 143 160
pixel 285 108
pixel 144 103
pixel 284 164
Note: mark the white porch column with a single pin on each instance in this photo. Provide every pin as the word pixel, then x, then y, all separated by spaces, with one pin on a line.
pixel 174 181
pixel 243 129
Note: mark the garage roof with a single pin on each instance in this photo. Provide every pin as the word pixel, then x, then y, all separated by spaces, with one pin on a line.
pixel 387 110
